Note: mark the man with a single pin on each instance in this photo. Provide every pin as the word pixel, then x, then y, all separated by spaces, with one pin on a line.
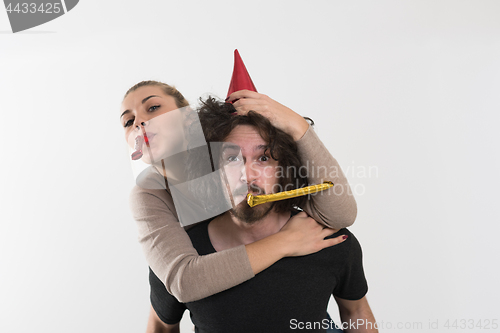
pixel 292 294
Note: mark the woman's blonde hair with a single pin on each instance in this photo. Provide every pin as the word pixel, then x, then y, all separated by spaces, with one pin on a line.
pixel 169 90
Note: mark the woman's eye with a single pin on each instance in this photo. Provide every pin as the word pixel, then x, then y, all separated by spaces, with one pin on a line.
pixel 264 158
pixel 128 123
pixel 153 108
pixel 232 160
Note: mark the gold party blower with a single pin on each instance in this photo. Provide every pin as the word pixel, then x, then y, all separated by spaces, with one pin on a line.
pixel 260 199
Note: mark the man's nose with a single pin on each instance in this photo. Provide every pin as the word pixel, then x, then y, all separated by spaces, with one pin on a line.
pixel 249 175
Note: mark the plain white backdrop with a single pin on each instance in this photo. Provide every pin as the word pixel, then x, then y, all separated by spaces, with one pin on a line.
pixel 408 88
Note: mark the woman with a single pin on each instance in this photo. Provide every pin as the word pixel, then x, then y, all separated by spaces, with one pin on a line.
pixel 167 247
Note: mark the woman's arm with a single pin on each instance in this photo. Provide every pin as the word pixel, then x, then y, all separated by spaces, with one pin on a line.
pixel 335 207
pixel 190 277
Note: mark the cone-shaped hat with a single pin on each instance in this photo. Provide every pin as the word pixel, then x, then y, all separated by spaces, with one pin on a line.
pixel 240 79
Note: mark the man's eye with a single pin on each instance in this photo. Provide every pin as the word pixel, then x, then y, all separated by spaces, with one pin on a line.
pixel 264 158
pixel 153 108
pixel 128 123
pixel 233 159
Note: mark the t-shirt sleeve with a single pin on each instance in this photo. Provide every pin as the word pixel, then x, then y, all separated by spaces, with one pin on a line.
pixel 166 306
pixel 352 283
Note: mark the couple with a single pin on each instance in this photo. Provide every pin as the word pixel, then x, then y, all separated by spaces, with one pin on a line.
pixel 207 269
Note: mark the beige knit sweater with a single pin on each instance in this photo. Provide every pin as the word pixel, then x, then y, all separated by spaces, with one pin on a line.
pixel 191 277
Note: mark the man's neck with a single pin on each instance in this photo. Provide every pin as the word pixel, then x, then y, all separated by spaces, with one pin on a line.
pixel 227 231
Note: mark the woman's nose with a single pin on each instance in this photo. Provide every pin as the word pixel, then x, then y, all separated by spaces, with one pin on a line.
pixel 139 123
pixel 243 176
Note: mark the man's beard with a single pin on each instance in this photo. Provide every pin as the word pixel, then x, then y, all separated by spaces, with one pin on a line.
pixel 249 214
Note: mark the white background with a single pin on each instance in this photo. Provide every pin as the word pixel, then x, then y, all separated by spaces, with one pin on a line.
pixel 409 88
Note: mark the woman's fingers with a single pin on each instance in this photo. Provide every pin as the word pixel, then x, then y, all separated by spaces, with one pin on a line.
pixel 245 100
pixel 242 107
pixel 279 115
pixel 244 94
pixel 306 236
pixel 334 241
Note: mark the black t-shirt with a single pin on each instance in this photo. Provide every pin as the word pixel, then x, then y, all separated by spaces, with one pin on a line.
pixel 293 290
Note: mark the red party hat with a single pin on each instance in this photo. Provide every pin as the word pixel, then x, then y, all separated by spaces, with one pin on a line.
pixel 241 79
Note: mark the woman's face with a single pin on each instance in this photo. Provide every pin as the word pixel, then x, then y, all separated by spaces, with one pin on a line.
pixel 149 110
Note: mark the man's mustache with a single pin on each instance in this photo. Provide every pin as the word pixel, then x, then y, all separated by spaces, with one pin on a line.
pixel 254 189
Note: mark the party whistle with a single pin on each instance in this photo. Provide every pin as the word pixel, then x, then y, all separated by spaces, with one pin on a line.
pixel 260 199
pixel 137 154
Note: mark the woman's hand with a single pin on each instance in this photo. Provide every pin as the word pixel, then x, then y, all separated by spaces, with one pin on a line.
pixel 279 115
pixel 305 236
